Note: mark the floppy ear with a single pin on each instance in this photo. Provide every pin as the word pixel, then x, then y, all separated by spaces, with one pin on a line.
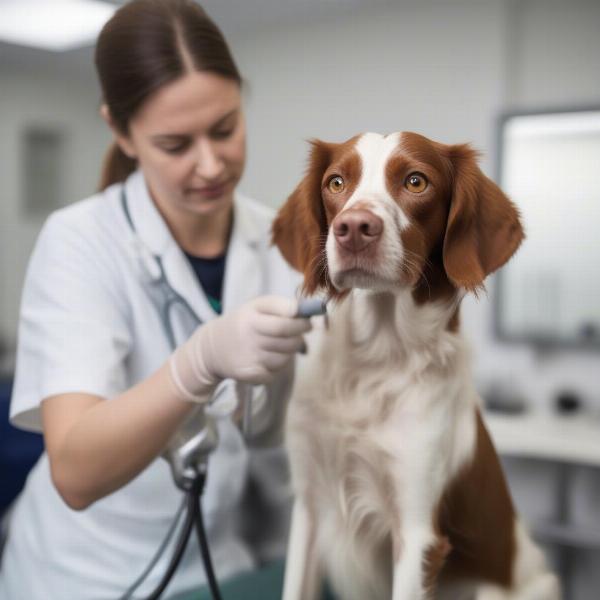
pixel 483 229
pixel 300 228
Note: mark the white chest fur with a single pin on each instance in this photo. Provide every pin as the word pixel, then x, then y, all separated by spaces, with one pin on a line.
pixel 382 416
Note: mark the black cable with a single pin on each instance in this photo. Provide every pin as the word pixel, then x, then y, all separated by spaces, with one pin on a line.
pixel 193 517
pixel 184 536
pixel 208 567
pixel 128 595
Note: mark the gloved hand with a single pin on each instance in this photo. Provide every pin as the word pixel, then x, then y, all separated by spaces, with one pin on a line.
pixel 250 344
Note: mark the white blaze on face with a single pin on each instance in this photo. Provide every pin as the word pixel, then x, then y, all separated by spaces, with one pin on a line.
pixel 374 151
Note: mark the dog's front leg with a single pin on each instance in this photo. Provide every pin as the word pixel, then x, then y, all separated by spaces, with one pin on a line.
pixel 302 569
pixel 418 557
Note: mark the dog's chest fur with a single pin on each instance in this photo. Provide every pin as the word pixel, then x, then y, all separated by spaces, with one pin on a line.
pixel 381 418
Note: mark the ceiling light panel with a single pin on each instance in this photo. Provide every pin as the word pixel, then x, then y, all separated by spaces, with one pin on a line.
pixel 55 25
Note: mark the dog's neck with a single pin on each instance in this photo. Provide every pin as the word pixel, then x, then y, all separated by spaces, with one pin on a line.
pixel 380 327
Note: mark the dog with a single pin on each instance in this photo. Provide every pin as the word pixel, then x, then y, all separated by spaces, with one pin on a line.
pixel 399 493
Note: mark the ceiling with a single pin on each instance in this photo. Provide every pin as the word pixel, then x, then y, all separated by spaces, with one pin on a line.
pixel 235 17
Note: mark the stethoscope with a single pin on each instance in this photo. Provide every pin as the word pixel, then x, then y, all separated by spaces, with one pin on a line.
pixel 224 400
pixel 154 271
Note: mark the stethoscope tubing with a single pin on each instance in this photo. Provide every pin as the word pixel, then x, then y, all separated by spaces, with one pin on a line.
pixel 193 518
pixel 172 296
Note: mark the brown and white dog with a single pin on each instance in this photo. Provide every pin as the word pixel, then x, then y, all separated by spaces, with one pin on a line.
pixel 399 491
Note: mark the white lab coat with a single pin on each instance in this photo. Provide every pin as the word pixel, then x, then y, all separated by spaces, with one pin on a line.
pixel 89 324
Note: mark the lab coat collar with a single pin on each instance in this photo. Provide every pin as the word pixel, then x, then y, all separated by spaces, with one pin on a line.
pixel 244 273
pixel 147 220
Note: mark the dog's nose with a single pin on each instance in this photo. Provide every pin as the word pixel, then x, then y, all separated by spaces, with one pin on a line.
pixel 355 229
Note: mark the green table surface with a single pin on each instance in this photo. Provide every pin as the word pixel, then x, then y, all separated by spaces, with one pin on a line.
pixel 263 584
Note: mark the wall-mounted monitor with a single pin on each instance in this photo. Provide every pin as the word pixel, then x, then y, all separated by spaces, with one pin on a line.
pixel 549 164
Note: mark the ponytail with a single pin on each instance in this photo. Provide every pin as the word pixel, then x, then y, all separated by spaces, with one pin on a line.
pixel 117 167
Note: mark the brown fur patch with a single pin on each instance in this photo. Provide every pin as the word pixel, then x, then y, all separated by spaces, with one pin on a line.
pixel 484 228
pixel 433 284
pixel 434 560
pixel 427 212
pixel 454 323
pixel 300 229
pixel 476 514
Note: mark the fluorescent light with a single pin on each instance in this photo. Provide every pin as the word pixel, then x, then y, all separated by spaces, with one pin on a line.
pixel 52 24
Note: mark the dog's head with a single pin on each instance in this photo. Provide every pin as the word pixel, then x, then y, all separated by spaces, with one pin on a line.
pixel 396 211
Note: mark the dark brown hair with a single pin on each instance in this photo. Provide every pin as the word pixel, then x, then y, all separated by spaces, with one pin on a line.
pixel 145 45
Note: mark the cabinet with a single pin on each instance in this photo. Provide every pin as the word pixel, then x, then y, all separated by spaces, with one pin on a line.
pixel 567 442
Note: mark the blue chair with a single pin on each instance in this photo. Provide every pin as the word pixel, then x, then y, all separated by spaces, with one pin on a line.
pixel 19 451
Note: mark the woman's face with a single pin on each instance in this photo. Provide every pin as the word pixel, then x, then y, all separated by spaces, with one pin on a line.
pixel 190 141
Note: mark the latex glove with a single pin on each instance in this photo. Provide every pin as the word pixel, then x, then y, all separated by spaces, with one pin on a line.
pixel 250 344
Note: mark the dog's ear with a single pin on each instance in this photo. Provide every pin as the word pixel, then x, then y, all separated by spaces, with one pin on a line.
pixel 300 228
pixel 483 229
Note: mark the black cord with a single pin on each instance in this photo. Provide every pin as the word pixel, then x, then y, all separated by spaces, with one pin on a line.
pixel 208 567
pixel 128 595
pixel 193 516
pixel 182 541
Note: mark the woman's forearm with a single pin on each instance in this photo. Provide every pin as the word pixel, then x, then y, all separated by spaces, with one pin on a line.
pixel 113 440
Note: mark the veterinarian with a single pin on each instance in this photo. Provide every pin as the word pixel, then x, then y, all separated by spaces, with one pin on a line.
pixel 111 356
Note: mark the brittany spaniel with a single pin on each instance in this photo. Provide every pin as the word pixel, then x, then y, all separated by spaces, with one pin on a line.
pixel 399 492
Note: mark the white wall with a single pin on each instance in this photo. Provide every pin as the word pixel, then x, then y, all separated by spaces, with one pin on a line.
pixel 554 49
pixel 35 98
pixel 431 67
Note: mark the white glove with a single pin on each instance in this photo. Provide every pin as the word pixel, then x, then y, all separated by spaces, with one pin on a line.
pixel 250 344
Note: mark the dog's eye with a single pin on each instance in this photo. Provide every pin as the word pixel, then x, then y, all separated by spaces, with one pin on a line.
pixel 336 184
pixel 416 183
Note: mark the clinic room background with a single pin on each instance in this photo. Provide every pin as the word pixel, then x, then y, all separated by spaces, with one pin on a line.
pixel 448 69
